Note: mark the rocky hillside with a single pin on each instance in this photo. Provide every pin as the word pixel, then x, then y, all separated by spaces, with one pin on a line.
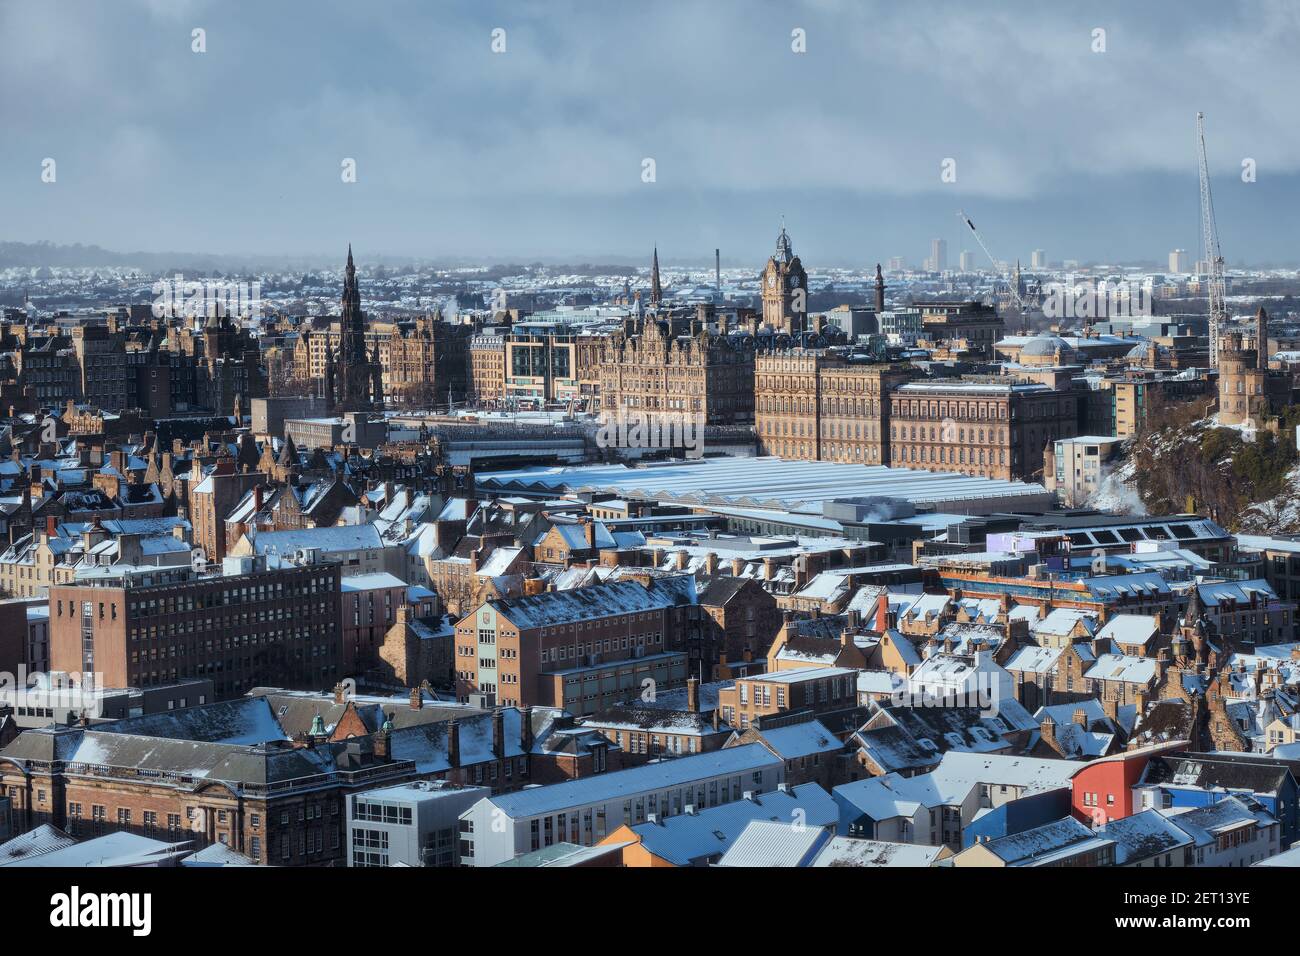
pixel 1182 463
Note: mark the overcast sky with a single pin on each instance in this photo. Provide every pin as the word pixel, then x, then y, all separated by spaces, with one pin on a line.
pixel 538 151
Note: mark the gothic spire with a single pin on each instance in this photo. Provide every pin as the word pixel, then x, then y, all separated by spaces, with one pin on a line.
pixel 656 290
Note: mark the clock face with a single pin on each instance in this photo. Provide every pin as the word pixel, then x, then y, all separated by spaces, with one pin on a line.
pixel 794 282
pixel 771 281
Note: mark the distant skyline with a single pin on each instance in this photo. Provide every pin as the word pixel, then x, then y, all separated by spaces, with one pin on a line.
pixel 537 152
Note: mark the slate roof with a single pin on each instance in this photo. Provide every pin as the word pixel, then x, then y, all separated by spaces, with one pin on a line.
pixel 686 837
pixel 802 740
pixel 1041 844
pixel 1122 667
pixel 1216 773
pixel 1144 835
pixel 720 590
pixel 651 719
pixel 595 601
pixel 849 852
pixel 342 538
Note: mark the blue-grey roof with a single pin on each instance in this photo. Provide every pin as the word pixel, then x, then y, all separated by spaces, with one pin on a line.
pixel 341 538
pixel 597 600
pixel 802 740
pixel 651 776
pixel 686 837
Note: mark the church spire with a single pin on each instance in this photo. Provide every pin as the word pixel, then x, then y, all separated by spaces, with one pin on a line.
pixel 656 290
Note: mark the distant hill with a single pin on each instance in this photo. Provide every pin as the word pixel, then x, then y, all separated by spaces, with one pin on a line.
pixel 79 256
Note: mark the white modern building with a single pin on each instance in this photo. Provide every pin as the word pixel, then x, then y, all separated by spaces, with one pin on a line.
pixel 585 811
pixel 1077 467
pixel 409 824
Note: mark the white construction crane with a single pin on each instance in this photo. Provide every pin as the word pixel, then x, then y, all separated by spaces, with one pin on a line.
pixel 1012 281
pixel 1210 253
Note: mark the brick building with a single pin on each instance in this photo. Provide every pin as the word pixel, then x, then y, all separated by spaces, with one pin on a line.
pixel 139 627
pixel 818 689
pixel 212 497
pixel 739 620
pixel 582 649
pixel 273 802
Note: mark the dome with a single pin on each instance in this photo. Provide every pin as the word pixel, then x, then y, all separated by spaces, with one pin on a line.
pixel 1045 345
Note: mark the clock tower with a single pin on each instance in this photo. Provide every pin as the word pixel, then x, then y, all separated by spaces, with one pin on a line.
pixel 785 289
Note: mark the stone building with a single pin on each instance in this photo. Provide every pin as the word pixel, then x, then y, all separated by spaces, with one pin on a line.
pixel 487 367
pixel 987 429
pixel 1249 392
pixel 416 652
pixel 361 362
pixel 785 289
pixel 653 374
pixel 972 326
pixel 818 405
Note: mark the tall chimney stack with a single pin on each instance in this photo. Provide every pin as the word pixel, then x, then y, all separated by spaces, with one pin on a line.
pixel 526 729
pixel 717 269
pixel 1261 334
pixel 453 743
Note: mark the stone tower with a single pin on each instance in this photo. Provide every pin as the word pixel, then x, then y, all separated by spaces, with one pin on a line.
pixel 785 289
pixel 355 377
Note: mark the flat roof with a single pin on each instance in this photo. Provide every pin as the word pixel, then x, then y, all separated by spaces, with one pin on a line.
pixel 766 482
